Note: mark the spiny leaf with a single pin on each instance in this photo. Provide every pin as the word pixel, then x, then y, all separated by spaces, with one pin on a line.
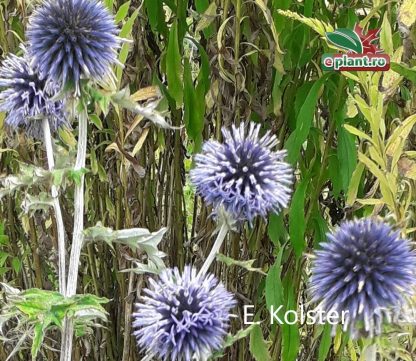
pixel 248 265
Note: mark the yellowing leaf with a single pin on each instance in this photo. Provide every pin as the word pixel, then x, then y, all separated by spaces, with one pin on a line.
pixel 407 168
pixel 386 38
pixel 357 132
pixel 354 184
pixel 384 184
pixel 207 17
pixel 407 13
pixel 67 137
pixel 140 142
pixel 146 93
pixel 370 201
pixel 400 133
pixel 319 26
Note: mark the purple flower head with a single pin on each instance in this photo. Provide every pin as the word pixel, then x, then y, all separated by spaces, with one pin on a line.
pixel 364 269
pixel 72 39
pixel 183 316
pixel 27 99
pixel 243 174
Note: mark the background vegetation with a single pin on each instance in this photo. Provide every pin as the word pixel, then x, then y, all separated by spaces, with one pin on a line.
pixel 215 63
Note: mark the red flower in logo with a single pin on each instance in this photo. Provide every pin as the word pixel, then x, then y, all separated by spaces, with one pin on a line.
pixel 368 40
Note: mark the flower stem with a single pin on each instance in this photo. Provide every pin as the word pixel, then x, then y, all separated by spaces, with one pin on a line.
pixel 57 208
pixel 77 235
pixel 370 353
pixel 215 249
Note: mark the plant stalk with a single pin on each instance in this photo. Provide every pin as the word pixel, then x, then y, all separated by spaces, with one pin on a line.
pixel 370 353
pixel 57 208
pixel 77 235
pixel 215 249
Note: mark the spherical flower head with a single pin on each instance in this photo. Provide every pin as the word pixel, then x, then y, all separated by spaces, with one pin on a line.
pixel 27 99
pixel 72 39
pixel 183 316
pixel 365 270
pixel 243 174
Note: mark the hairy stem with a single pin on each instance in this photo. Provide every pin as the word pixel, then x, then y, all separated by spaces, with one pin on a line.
pixel 57 208
pixel 215 248
pixel 370 353
pixel 77 235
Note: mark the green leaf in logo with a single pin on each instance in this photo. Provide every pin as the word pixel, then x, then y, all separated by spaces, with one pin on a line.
pixel 345 39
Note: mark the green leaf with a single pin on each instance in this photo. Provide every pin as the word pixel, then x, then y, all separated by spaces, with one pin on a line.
pixel 404 70
pixel 193 109
pixel 276 229
pixel 95 119
pixel 16 264
pixel 39 335
pixel 274 287
pixel 174 68
pixel 297 218
pixel 156 16
pixel 122 12
pixel 231 339
pixel 124 33
pixel 75 175
pixel 304 121
pixel 325 343
pixel 258 346
pixel 58 176
pixel 290 333
pixel 347 156
pixel 345 39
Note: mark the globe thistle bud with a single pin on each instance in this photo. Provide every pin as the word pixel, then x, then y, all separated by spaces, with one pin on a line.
pixel 243 174
pixel 27 99
pixel 365 270
pixel 72 39
pixel 183 316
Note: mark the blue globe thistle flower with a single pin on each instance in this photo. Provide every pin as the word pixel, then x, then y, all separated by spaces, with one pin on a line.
pixel 243 174
pixel 183 316
pixel 365 270
pixel 27 99
pixel 72 39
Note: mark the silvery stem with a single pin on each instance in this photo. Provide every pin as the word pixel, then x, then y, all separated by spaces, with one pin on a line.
pixel 77 236
pixel 370 353
pixel 215 249
pixel 57 208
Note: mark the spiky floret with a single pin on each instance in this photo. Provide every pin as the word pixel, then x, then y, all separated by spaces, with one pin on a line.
pixel 72 39
pixel 365 269
pixel 27 99
pixel 243 174
pixel 183 316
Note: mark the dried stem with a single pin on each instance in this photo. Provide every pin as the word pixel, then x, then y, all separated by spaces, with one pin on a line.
pixel 57 208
